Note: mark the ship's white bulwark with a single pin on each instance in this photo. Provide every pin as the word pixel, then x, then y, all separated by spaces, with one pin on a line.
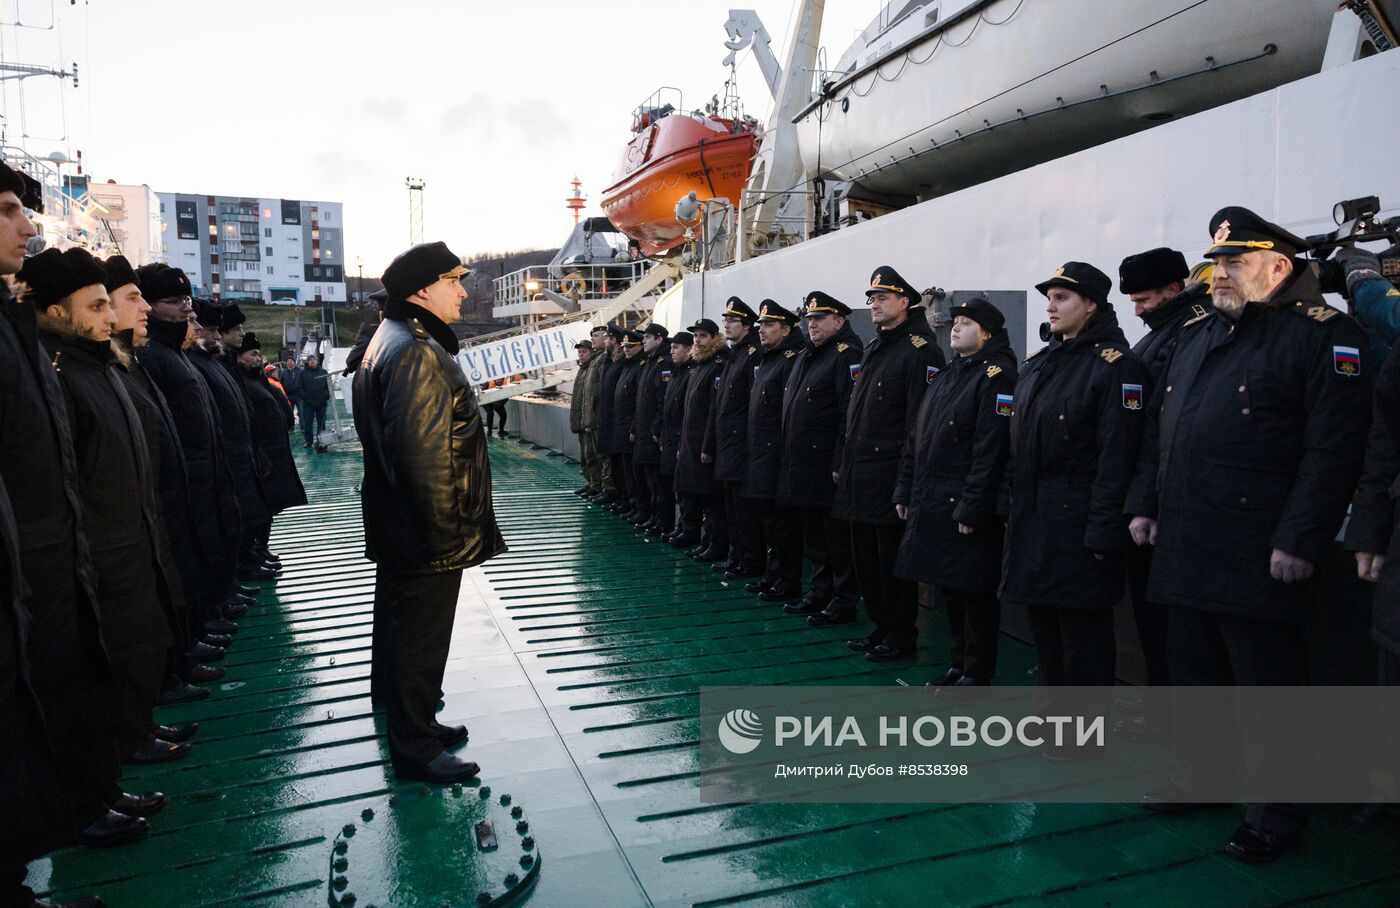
pixel 1290 154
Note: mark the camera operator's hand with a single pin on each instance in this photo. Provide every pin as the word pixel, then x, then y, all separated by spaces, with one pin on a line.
pixel 1359 265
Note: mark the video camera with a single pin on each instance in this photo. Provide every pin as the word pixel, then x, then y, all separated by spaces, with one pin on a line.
pixel 1356 223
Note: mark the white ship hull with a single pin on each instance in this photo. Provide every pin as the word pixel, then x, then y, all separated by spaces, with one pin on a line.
pixel 1290 154
pixel 1054 77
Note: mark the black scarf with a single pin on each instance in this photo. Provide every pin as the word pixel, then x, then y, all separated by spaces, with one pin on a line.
pixel 171 334
pixel 402 310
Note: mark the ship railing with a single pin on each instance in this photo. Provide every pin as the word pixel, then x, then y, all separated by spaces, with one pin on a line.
pixel 663 102
pixel 581 287
pixel 761 230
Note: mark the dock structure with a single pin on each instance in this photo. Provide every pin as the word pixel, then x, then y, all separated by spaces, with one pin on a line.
pixel 576 663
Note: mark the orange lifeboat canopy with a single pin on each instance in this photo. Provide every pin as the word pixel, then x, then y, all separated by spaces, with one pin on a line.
pixel 670 155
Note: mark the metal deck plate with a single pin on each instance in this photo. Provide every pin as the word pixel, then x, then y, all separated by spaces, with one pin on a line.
pixel 576 662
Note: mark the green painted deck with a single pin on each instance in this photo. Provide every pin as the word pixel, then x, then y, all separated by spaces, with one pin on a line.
pixel 576 662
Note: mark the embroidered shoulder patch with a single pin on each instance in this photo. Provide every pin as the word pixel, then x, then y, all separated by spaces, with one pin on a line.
pixel 1346 361
pixel 1321 313
pixel 993 371
pixel 1111 355
pixel 918 341
pixel 1132 397
pixel 717 382
pixel 666 376
pixel 752 351
pixel 929 374
pixel 855 371
pixel 1004 405
pixel 789 353
pixel 1200 318
pixel 842 347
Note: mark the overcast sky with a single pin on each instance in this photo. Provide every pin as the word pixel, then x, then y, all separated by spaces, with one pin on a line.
pixel 495 105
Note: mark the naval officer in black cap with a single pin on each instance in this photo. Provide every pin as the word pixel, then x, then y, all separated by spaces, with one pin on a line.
pixel 1163 295
pixel 646 449
pixel 950 483
pixel 782 529
pixel 426 499
pixel 670 422
pixel 614 478
pixel 624 426
pixel 1252 451
pixel 694 473
pixel 898 364
pixel 814 431
pixel 726 444
pixel 1075 428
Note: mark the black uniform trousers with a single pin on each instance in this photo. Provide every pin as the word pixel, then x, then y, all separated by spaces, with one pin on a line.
pixel 974 630
pixel 825 542
pixel 645 497
pixel 746 540
pixel 137 673
pixel 622 475
pixel 692 511
pixel 1075 646
pixel 782 528
pixel 413 615
pixel 714 533
pixel 1075 649
pixel 80 702
pixel 663 496
pixel 892 603
pixel 1209 649
pixel 495 412
pixel 1151 620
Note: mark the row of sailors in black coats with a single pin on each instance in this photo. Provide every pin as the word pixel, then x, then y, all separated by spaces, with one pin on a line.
pixel 143 455
pixel 1204 470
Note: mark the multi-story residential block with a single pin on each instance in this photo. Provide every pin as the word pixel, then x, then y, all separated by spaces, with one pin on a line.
pixel 270 250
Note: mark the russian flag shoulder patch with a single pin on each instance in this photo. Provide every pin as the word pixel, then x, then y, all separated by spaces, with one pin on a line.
pixel 1346 361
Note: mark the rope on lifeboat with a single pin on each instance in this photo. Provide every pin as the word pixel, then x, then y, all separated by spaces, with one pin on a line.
pixel 705 169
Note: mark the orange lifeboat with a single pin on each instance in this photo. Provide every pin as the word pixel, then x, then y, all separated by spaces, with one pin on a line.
pixel 671 154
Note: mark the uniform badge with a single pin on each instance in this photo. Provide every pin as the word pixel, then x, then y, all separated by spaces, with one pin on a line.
pixel 1321 313
pixel 666 376
pixel 842 347
pixel 789 353
pixel 1112 356
pixel 930 373
pixel 1222 233
pixel 918 341
pixel 855 371
pixel 993 371
pixel 1346 361
pixel 717 382
pixel 755 373
pixel 1132 397
pixel 1003 404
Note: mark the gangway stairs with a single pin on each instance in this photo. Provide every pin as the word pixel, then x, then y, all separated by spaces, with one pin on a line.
pixel 341 430
pixel 552 376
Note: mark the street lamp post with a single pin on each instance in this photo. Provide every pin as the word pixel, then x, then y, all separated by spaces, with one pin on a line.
pixel 360 265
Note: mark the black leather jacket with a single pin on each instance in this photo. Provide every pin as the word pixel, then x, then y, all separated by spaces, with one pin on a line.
pixel 427 489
